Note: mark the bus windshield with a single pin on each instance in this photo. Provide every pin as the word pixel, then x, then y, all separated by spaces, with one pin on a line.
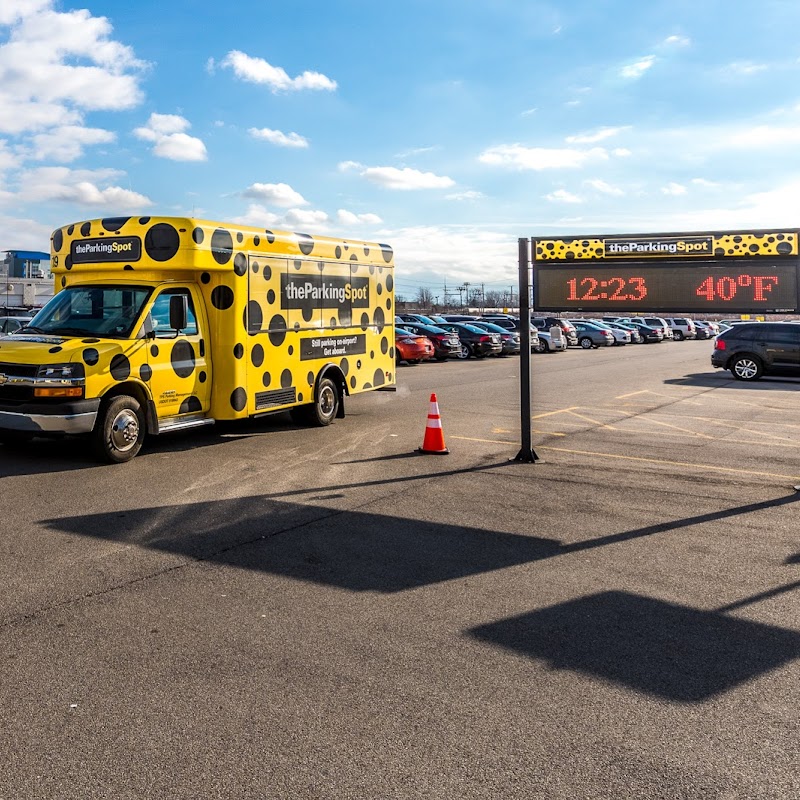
pixel 104 311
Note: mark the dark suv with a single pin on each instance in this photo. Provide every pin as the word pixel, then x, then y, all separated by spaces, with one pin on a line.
pixel 567 328
pixel 751 349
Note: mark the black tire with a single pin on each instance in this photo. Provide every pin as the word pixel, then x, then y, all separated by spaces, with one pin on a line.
pixel 465 352
pixel 746 367
pixel 540 347
pixel 677 336
pixel 119 431
pixel 441 358
pixel 325 407
pixel 586 342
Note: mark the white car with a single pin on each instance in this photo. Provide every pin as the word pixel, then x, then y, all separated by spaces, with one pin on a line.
pixel 12 324
pixel 621 336
pixel 550 344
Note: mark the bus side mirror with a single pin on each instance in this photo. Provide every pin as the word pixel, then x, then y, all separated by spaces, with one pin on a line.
pixel 178 312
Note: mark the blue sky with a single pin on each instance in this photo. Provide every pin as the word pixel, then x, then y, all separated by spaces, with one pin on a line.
pixel 447 128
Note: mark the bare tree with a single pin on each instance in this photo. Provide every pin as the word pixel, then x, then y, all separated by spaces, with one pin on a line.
pixel 494 299
pixel 424 297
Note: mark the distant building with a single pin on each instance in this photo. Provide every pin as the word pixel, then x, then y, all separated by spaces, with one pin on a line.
pixel 24 264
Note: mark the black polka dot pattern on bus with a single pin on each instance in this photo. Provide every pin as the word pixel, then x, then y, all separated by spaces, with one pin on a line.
pixel 265 329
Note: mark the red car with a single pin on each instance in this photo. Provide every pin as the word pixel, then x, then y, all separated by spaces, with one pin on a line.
pixel 411 347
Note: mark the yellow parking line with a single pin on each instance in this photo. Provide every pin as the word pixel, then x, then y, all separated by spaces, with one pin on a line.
pixel 593 421
pixel 631 394
pixel 641 459
pixel 676 427
pixel 551 413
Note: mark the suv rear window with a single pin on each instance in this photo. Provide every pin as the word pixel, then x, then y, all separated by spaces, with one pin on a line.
pixel 740 332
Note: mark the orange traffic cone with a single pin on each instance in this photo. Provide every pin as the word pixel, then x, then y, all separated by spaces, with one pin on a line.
pixel 433 443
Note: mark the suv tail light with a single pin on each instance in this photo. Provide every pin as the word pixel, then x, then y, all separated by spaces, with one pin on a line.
pixel 719 344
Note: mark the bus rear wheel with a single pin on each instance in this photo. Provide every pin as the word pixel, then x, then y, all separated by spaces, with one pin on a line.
pixel 324 408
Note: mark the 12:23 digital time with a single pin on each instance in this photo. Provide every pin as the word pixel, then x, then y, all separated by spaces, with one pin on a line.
pixel 614 288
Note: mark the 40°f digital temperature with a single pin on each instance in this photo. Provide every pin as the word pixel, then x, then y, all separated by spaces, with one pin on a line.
pixel 726 288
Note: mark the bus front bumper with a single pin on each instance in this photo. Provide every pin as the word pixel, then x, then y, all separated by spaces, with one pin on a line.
pixel 70 417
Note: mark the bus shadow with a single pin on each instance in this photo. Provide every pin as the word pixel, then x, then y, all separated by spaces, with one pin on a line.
pixel 351 550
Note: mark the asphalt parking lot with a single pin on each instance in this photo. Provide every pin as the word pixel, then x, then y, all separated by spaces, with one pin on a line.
pixel 270 611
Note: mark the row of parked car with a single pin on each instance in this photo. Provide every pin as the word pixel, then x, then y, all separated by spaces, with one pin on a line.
pixel 467 336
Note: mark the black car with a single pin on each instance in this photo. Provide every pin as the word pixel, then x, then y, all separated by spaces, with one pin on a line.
pixel 648 335
pixel 446 344
pixel 510 339
pixel 752 349
pixel 474 341
pixel 513 324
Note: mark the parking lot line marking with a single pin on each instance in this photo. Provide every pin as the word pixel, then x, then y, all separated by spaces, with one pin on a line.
pixel 631 394
pixel 641 459
pixel 722 424
pixel 559 411
pixel 676 427
pixel 593 421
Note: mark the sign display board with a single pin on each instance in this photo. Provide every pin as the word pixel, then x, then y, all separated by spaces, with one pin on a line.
pixel 716 272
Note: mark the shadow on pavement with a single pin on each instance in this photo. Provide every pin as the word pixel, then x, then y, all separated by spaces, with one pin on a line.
pixel 350 549
pixel 724 378
pixel 653 647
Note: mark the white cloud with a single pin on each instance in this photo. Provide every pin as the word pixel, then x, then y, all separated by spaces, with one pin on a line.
pixel 346 166
pixel 673 189
pixel 677 41
pixel 621 152
pixel 82 187
pixel 54 65
pixel 406 179
pixel 276 194
pixel 417 151
pixel 14 10
pixel 745 68
pixel 759 137
pixel 257 70
pixel 597 136
pixel 470 194
pixel 258 217
pixel 278 137
pixel 25 233
pixel 563 196
pixel 298 217
pixel 349 218
pixel 529 112
pixel 68 142
pixel 180 147
pixel 604 188
pixel 706 184
pixel 8 160
pixel 637 68
pixel 166 132
pixel 540 158
pixel 463 253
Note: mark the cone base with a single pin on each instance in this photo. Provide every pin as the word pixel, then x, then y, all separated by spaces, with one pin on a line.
pixel 444 452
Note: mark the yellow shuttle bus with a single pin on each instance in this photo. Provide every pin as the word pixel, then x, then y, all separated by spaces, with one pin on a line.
pixel 160 324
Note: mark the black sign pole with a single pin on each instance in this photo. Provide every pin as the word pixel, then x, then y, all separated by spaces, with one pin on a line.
pixel 526 453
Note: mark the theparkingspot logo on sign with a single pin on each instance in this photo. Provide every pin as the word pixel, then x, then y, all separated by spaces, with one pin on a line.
pixel 659 247
pixel 318 291
pixel 94 251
